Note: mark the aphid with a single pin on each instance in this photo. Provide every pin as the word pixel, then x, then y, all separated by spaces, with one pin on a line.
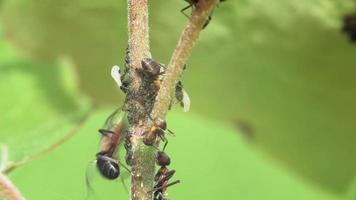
pixel 182 96
pixel 192 4
pixel 120 80
pixel 158 128
pixel 349 26
pixel 128 147
pixel 112 134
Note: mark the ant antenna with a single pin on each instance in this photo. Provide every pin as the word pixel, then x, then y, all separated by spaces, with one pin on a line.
pixel 185 8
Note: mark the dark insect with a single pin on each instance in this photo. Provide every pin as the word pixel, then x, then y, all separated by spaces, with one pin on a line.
pixel 108 167
pixel 192 4
pixel 152 71
pixel 161 183
pixel 349 26
pixel 162 159
pixel 182 96
pixel 158 128
pixel 162 176
pixel 112 134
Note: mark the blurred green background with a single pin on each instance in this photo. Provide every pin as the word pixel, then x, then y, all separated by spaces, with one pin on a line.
pixel 282 68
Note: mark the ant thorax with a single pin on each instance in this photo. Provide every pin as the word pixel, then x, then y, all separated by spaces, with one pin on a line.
pixel 160 123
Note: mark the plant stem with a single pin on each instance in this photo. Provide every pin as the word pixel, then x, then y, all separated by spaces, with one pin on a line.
pixel 180 56
pixel 8 190
pixel 143 160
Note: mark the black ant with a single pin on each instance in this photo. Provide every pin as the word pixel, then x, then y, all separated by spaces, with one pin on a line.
pixel 192 4
pixel 112 135
pixel 349 26
pixel 152 71
pixel 162 176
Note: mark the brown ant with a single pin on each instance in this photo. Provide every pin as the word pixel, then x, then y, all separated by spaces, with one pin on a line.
pixel 192 4
pixel 349 26
pixel 158 128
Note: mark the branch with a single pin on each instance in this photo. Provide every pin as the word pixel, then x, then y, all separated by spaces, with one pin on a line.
pixel 143 163
pixel 8 190
pixel 180 56
pixel 137 101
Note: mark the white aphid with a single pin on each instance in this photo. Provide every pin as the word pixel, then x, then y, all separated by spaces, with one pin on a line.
pixel 115 74
pixel 185 101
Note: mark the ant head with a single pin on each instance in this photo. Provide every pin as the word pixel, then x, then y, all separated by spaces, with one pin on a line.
pixel 162 124
pixel 150 67
pixel 162 159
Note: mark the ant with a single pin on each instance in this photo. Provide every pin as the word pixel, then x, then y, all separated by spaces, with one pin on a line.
pixel 152 71
pixel 349 26
pixel 192 4
pixel 158 129
pixel 112 135
pixel 162 176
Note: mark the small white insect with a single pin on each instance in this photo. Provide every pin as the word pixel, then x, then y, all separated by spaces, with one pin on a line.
pixel 115 74
pixel 185 101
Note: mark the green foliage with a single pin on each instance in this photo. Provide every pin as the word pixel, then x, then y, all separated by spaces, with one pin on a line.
pixel 211 160
pixel 283 67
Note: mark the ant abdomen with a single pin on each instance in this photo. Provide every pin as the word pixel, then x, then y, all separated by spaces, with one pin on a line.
pixel 150 67
pixel 108 167
pixel 162 159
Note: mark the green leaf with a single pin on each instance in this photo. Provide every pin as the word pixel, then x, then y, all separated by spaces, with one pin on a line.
pixel 283 67
pixel 39 105
pixel 211 160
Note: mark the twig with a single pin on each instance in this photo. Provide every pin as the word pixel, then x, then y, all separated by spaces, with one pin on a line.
pixel 143 166
pixel 180 56
pixel 8 190
pixel 143 161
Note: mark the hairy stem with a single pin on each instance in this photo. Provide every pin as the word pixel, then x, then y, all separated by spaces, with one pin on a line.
pixel 8 190
pixel 143 160
pixel 143 163
pixel 180 56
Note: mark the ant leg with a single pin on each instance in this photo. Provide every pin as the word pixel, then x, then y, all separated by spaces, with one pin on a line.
pixel 207 22
pixel 184 9
pixel 165 145
pixel 124 166
pixel 124 184
pixel 171 132
pixel 165 186
pixel 106 132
